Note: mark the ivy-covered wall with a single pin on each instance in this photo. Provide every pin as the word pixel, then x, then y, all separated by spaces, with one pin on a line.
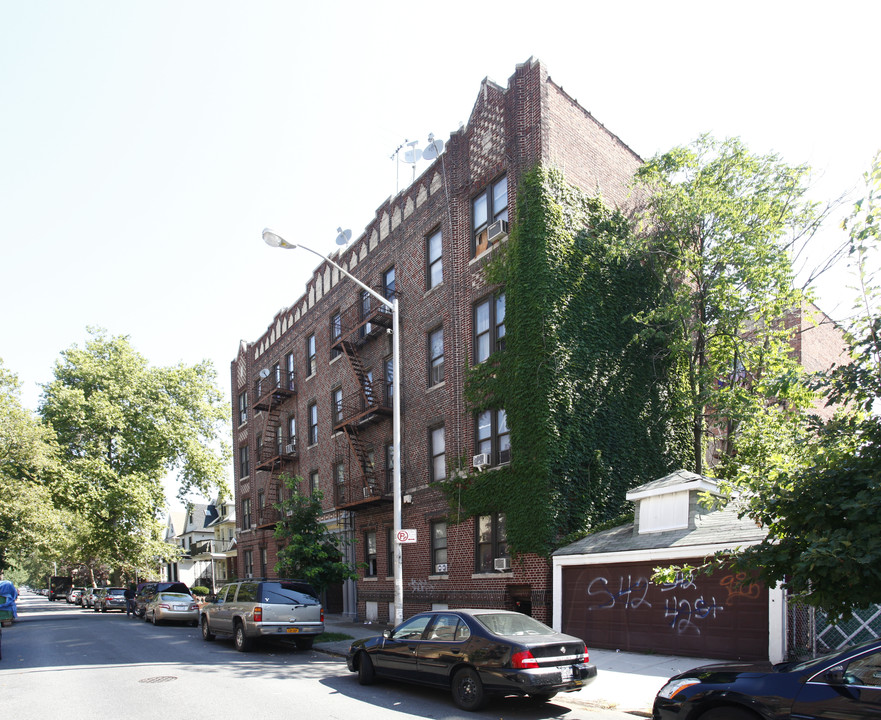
pixel 591 405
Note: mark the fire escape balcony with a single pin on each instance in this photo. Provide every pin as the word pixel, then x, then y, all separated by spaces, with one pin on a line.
pixel 363 489
pixel 267 516
pixel 366 319
pixel 273 390
pixel 276 455
pixel 371 404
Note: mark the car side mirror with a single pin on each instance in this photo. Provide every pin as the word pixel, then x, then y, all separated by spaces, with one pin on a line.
pixel 835 675
pixel 386 633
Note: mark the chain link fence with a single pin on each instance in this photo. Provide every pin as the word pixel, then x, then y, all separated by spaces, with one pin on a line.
pixel 810 633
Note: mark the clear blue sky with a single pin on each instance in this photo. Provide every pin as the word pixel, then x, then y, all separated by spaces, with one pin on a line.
pixel 145 145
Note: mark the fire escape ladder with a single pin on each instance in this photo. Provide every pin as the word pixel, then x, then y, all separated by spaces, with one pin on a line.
pixel 364 476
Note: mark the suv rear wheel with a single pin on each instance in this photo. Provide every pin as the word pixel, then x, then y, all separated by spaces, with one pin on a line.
pixel 242 641
pixel 206 631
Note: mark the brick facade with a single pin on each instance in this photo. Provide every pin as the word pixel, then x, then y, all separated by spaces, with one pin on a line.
pixel 510 130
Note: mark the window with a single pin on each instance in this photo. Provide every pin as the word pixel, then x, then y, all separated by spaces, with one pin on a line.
pixel 436 357
pixel 488 207
pixel 370 553
pixel 289 365
pixel 336 405
pixel 390 551
pixel 388 283
pixel 389 370
pixel 336 332
pixel 276 375
pixel 313 423
pixel 491 541
pixel 365 313
pixel 389 466
pixel 313 482
pixel 489 327
pixel 262 562
pixel 311 357
pixel 439 547
pixel 244 461
pixel 243 408
pixel 437 443
pixel 246 513
pixel 493 436
pixel 249 564
pixel 434 260
pixel 292 430
pixel 261 499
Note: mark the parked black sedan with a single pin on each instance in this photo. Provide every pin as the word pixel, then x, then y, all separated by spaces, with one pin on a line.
pixel 846 684
pixel 475 653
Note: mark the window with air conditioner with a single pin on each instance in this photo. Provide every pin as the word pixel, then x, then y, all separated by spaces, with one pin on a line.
pixel 439 547
pixel 493 439
pixel 491 541
pixel 488 208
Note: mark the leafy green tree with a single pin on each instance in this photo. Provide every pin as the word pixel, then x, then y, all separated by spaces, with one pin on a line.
pixel 122 426
pixel 311 552
pixel 822 505
pixel 29 525
pixel 718 230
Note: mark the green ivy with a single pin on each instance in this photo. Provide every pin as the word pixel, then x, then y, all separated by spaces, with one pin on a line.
pixel 593 404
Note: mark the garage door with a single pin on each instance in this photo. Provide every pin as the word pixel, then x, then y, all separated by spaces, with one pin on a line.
pixel 724 615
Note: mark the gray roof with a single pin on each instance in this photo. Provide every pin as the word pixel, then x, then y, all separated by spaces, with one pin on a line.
pixel 710 528
pixel 673 480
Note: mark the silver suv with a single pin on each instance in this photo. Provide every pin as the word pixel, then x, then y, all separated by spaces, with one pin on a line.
pixel 258 608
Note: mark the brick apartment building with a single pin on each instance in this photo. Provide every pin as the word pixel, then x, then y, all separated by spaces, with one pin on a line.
pixel 312 395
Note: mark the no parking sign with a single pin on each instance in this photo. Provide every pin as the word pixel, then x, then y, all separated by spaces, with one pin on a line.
pixel 406 536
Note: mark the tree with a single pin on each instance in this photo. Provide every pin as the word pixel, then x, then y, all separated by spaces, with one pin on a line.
pixel 123 425
pixel 823 508
pixel 818 492
pixel 311 552
pixel 29 525
pixel 718 230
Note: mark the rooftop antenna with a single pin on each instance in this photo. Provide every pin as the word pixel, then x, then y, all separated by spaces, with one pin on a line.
pixel 344 236
pixel 412 156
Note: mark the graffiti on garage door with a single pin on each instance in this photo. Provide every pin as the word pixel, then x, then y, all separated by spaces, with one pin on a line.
pixel 620 607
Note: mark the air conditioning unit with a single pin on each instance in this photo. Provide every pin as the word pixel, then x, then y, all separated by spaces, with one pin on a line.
pixel 290 448
pixel 501 564
pixel 497 231
pixel 480 461
pixel 441 568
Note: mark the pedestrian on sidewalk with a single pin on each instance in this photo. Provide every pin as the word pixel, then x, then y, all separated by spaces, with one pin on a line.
pixel 129 596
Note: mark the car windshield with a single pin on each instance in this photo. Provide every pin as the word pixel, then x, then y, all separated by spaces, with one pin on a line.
pixel 284 593
pixel 512 624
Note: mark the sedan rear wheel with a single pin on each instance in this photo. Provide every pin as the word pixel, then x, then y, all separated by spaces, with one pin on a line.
pixel 467 689
pixel 366 671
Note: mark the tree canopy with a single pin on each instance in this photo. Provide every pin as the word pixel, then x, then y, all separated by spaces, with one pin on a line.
pixel 121 427
pixel 718 227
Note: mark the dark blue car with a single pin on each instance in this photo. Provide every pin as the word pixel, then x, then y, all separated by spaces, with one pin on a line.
pixel 845 685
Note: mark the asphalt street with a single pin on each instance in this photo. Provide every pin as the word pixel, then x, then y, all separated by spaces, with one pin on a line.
pixel 63 661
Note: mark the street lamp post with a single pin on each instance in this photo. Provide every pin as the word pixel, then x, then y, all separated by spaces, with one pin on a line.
pixel 273 239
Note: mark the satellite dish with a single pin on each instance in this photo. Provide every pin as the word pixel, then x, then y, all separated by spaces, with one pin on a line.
pixel 343 237
pixel 435 148
pixel 264 373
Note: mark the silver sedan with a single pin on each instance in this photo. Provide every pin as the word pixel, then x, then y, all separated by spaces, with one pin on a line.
pixel 172 606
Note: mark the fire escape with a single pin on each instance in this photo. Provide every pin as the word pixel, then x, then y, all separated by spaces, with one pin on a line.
pixel 277 447
pixel 364 322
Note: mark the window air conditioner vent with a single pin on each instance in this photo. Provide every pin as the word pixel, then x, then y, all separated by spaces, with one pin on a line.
pixel 502 563
pixel 497 231
pixel 480 461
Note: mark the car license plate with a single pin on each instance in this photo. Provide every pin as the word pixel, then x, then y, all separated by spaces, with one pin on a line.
pixel 179 607
pixel 293 630
pixel 566 673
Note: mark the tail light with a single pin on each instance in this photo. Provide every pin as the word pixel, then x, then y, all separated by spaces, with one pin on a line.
pixel 524 660
pixel 258 614
pixel 163 605
pixel 322 614
pixel 586 655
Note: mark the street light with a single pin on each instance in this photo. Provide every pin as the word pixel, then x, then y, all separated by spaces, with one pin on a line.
pixel 273 239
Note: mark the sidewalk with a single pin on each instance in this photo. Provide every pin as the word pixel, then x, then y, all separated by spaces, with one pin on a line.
pixel 625 681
